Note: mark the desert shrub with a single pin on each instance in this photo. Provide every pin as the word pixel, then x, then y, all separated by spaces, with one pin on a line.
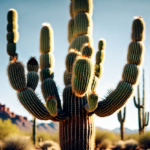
pixel 144 140
pixel 49 145
pixel 47 136
pixel 17 142
pixel 134 136
pixel 102 135
pixel 131 144
pixel 105 144
pixel 7 128
pixel 120 145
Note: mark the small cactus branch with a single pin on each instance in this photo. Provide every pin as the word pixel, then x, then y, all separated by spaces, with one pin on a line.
pixel 137 105
pixel 120 118
pixel 146 119
pixel 124 114
pixel 91 105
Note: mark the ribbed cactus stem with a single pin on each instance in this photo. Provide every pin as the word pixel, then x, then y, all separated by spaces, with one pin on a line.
pixel 121 119
pixel 78 131
pixel 12 35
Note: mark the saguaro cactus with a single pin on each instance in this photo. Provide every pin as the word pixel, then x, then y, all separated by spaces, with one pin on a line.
pixel 80 102
pixel 34 131
pixel 143 117
pixel 121 119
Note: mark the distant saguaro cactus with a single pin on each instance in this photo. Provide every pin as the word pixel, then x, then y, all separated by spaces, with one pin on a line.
pixel 143 117
pixel 34 131
pixel 121 119
pixel 80 102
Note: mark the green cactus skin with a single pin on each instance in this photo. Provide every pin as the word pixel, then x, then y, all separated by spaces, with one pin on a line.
pixel 11 48
pixel 67 78
pixel 16 75
pixel 83 6
pixel 122 120
pixel 83 68
pixel 92 102
pixel 33 104
pixel 32 79
pixel 34 127
pixel 101 44
pixel 83 72
pixel 94 83
pixel 12 56
pixel 70 59
pixel 131 73
pixel 12 27
pixel 138 28
pixel 78 42
pixel 12 16
pixel 87 50
pixel 79 128
pixel 115 100
pixel 46 61
pixel 70 30
pixel 49 88
pixel 32 65
pixel 100 56
pixel 143 119
pixel 98 70
pixel 72 10
pixel 82 24
pixel 135 53
pixel 46 73
pixel 46 39
pixel 12 37
pixel 51 106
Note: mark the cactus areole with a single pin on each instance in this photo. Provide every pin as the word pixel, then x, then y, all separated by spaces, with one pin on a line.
pixel 81 77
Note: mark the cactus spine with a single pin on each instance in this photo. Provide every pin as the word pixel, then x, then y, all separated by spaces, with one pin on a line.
pixel 76 122
pixel 121 119
pixel 143 117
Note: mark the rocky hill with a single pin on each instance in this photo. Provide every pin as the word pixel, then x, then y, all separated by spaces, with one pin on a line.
pixel 23 123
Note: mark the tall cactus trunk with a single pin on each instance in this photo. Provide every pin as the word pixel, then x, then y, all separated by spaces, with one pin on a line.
pixel 122 131
pixel 78 132
pixel 139 120
pixel 34 131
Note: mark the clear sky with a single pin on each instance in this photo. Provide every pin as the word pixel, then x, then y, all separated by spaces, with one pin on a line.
pixel 112 21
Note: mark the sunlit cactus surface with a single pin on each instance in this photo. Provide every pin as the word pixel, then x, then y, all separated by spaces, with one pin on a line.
pixel 81 77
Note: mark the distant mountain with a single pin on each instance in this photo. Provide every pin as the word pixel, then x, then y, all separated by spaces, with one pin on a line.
pixel 127 130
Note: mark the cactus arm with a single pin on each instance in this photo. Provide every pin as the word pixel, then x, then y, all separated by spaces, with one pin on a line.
pixel 130 75
pixel 146 118
pixel 115 100
pixel 119 116
pixel 137 105
pixel 124 115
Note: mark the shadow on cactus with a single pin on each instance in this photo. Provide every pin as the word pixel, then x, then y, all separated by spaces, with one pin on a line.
pixel 80 102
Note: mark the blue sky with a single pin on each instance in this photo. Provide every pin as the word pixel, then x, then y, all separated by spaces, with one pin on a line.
pixel 112 21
